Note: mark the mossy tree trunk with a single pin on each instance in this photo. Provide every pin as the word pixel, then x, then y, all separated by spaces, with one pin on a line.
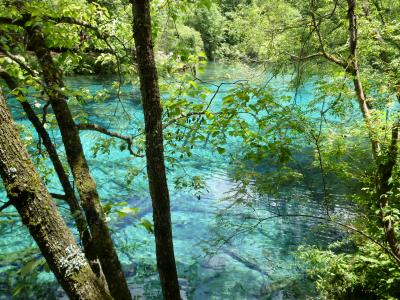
pixel 101 238
pixel 70 197
pixel 38 212
pixel 154 149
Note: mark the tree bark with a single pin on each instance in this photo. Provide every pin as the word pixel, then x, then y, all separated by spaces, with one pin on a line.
pixel 154 149
pixel 86 186
pixel 33 202
pixel 70 197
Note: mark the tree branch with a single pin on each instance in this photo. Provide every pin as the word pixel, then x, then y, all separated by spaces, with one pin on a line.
pixel 59 196
pixel 307 57
pixel 203 111
pixel 95 127
pixel 9 21
pixel 19 62
pixel 327 55
pixel 72 21
pixel 5 205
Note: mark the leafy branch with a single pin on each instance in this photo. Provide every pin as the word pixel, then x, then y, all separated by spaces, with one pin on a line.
pixel 98 128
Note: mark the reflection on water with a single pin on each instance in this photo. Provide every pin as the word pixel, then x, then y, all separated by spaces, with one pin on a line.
pixel 225 248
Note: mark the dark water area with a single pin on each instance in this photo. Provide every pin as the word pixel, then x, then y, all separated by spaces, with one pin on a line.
pixel 228 245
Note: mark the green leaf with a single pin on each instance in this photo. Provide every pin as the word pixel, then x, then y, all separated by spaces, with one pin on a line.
pixel 194 84
pixel 123 212
pixel 228 99
pixel 221 150
pixel 29 267
pixel 18 289
pixel 206 3
pixel 147 224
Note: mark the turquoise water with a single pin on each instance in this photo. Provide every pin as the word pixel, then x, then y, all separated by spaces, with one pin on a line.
pixel 223 250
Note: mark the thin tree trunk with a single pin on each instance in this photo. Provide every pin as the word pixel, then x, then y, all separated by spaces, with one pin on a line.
pixel 89 197
pixel 384 186
pixel 354 71
pixel 154 149
pixel 385 164
pixel 33 202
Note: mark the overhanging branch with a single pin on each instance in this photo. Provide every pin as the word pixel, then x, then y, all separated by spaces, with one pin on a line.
pixel 95 127
pixel 203 111
pixel 16 59
pixel 306 57
pixel 324 53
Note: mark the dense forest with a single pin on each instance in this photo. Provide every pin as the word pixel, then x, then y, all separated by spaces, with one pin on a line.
pixel 210 149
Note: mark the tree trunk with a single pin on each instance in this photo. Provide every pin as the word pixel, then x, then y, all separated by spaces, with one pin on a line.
pixel 89 197
pixel 384 188
pixel 352 69
pixel 70 197
pixel 154 149
pixel 387 162
pixel 33 202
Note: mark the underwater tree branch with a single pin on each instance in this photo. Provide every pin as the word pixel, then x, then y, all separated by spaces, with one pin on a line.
pixel 316 138
pixel 331 220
